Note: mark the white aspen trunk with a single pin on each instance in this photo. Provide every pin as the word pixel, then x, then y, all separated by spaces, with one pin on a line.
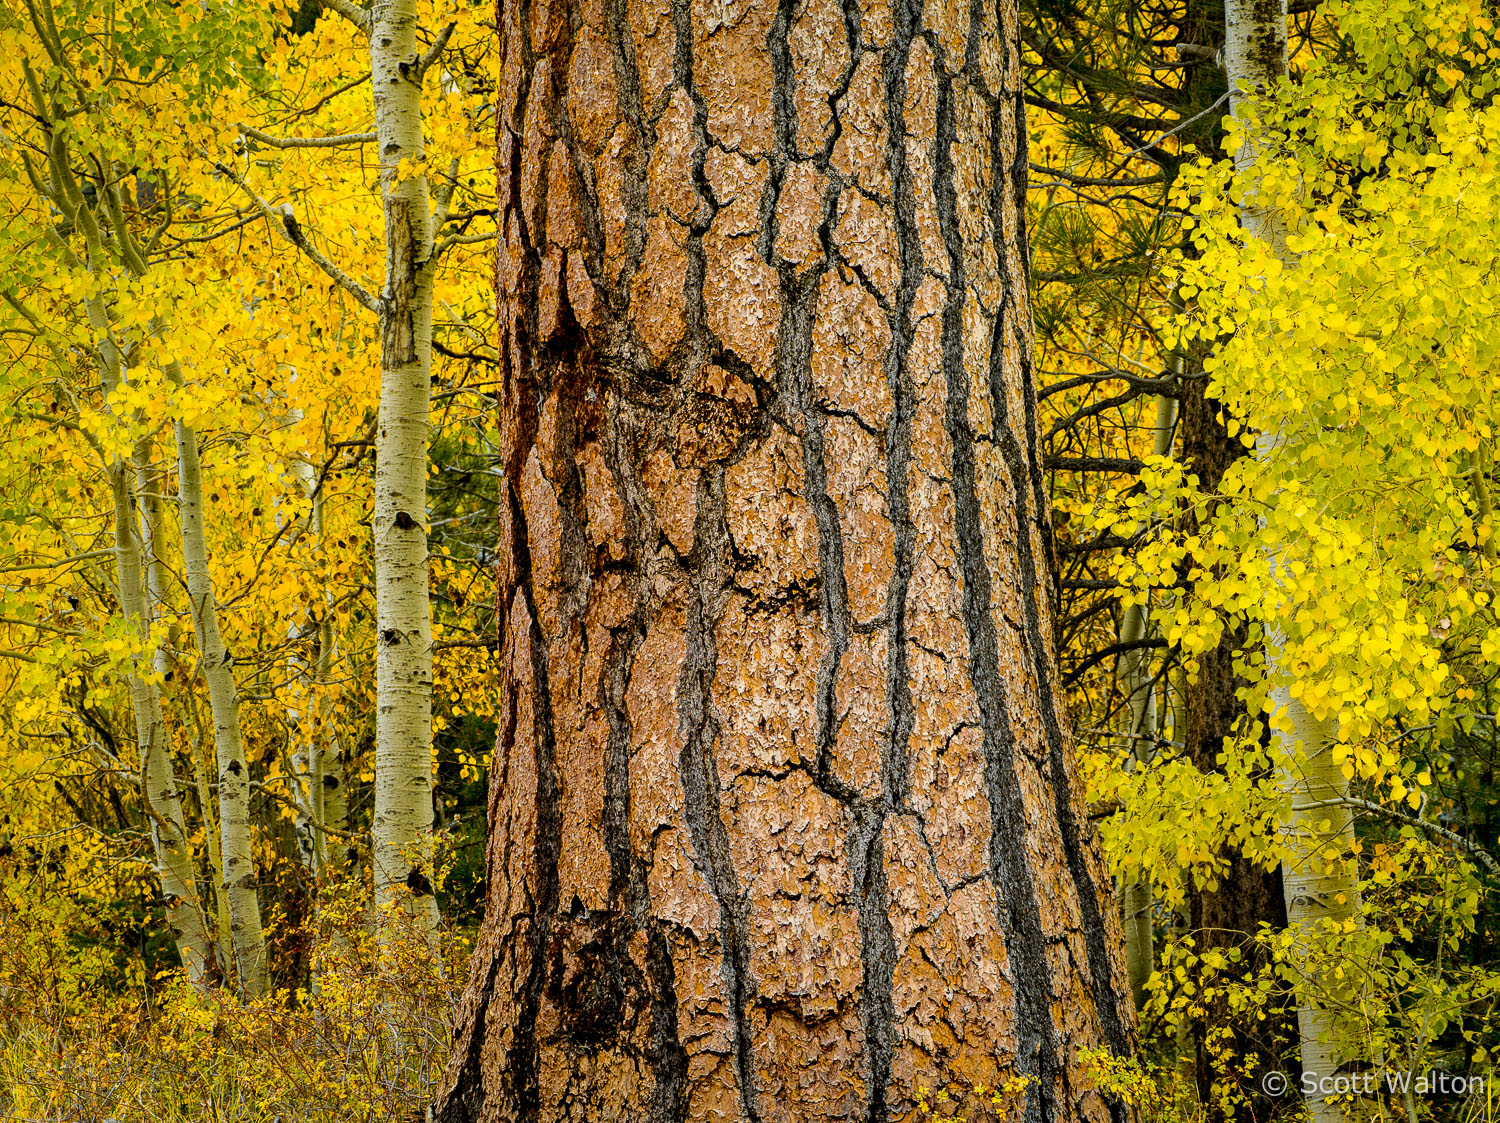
pixel 327 781
pixel 210 826
pixel 326 792
pixel 217 665
pixel 306 773
pixel 306 756
pixel 1139 726
pixel 402 823
pixel 163 804
pixel 1315 888
pixel 1140 722
pixel 1255 57
pixel 148 484
pixel 159 794
pixel 158 785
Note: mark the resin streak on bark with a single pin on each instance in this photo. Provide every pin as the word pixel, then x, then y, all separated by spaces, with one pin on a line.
pixel 784 820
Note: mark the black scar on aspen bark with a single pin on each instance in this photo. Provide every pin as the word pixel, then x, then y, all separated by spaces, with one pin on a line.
pixel 398 334
pixel 404 521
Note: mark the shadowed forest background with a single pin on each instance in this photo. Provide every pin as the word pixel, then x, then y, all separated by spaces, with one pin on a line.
pixel 374 378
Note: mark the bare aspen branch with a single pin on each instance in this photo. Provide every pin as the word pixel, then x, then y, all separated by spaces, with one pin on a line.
pixel 462 240
pixel 431 55
pixel 60 562
pixel 293 233
pixel 1478 853
pixel 316 823
pixel 307 141
pixel 356 15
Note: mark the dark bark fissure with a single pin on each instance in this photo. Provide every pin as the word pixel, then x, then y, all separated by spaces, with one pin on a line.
pixel 1025 477
pixel 521 1073
pixel 628 432
pixel 520 1077
pixel 1017 899
pixel 466 1087
pixel 710 576
pixel 609 987
pixel 1027 488
pixel 699 726
pixel 864 845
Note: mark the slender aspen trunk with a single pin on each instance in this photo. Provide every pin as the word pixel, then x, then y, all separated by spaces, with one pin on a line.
pixel 210 823
pixel 305 721
pixel 159 791
pixel 318 769
pixel 1139 725
pixel 402 822
pixel 159 795
pixel 1136 896
pixel 330 801
pixel 148 485
pixel 1317 888
pixel 307 768
pixel 784 820
pixel 217 667
pixel 1479 483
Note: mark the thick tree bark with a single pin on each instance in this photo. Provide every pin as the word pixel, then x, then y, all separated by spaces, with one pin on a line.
pixel 784 820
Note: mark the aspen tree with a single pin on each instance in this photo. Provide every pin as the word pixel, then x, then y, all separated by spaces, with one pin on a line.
pixel 1319 877
pixel 311 675
pixel 1139 725
pixel 403 615
pixel 216 665
pixel 413 215
pixel 149 482
pixel 158 785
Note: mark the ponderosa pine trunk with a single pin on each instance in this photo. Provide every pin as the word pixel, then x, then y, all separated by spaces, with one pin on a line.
pixel 784 820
